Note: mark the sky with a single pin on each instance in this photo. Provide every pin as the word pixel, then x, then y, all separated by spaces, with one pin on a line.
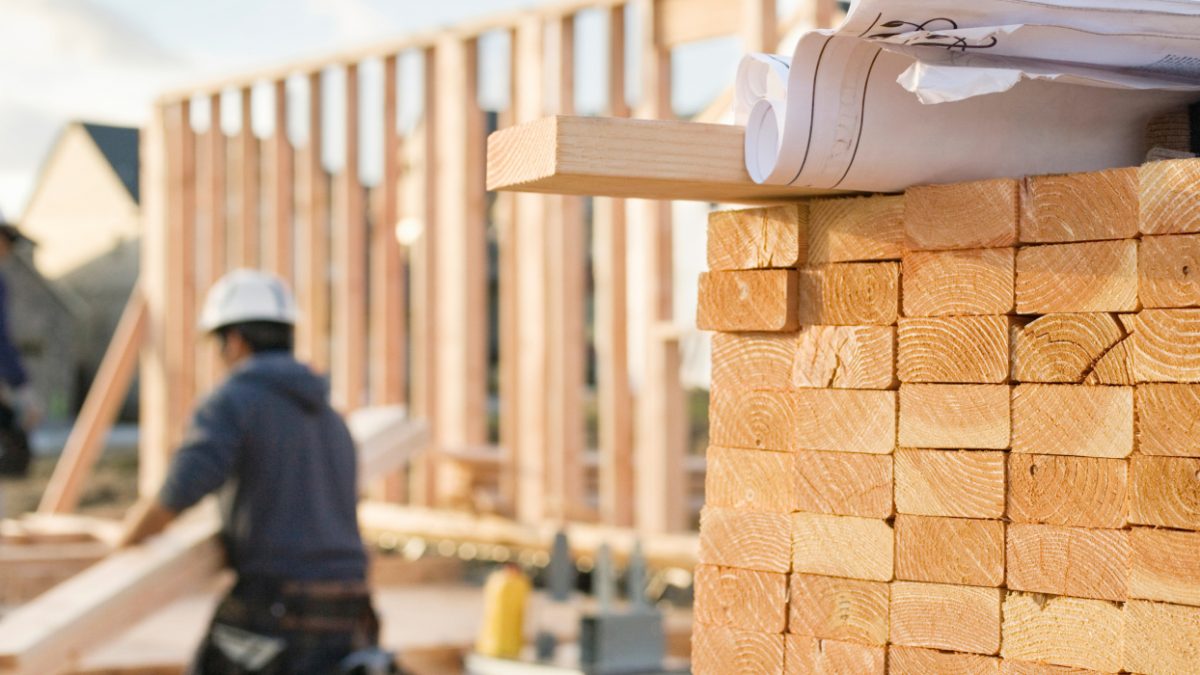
pixel 105 60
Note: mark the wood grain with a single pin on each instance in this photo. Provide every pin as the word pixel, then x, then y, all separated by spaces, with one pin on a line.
pixel 1115 367
pixel 855 229
pixel 836 420
pixel 810 656
pixel 1078 562
pixel 1080 207
pixel 953 618
pixel 982 214
pixel 1083 277
pixel 763 238
pixel 1063 631
pixel 841 546
pixel 1169 271
pixel 1013 667
pixel 1161 638
pixel 751 480
pixel 959 283
pixel 744 361
pixel 1063 419
pixel 845 357
pixel 954 350
pixel 852 610
pixel 1168 417
pixel 1165 565
pixel 1071 491
pixel 918 661
pixel 741 599
pixel 961 484
pixel 1166 345
pixel 1165 491
pixel 950 550
pixel 954 416
pixel 1170 200
pixel 727 651
pixel 1063 348
pixel 850 294
pixel 843 484
pixel 756 300
pixel 745 539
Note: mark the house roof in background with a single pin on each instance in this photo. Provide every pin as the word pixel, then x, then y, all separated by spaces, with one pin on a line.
pixel 119 145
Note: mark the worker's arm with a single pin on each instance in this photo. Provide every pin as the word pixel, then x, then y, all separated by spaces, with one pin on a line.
pixel 147 518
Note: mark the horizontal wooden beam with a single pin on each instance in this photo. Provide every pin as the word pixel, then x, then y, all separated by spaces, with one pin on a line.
pixel 643 159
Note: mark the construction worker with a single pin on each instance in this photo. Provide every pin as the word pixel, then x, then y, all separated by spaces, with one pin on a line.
pixel 20 411
pixel 286 470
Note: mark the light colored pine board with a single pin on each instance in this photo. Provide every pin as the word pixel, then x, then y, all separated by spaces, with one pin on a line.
pixel 726 651
pixel 855 229
pixel 1063 631
pixel 1167 416
pixel 1071 491
pixel 753 480
pixel 388 311
pixel 1082 277
pixel 1170 200
pixel 1161 638
pixel 843 484
pixel 1165 491
pixel 1014 667
pixel 837 357
pixel 950 550
pixel 954 349
pixel 1166 345
pixel 745 539
pixel 1115 367
pixel 917 661
pixel 959 283
pixel 1081 563
pixel 741 599
pixel 960 484
pixel 1169 271
pixel 981 214
pixel 955 416
pixel 850 294
pixel 764 238
pixel 758 300
pixel 248 244
pixel 686 21
pixel 348 377
pixel 1063 348
pixel 810 656
pixel 1165 565
pixel 1064 419
pixel 746 361
pixel 940 616
pixel 836 420
pixel 851 610
pixel 841 546
pixel 1080 207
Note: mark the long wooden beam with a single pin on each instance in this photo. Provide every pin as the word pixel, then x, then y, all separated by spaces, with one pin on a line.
pixel 643 159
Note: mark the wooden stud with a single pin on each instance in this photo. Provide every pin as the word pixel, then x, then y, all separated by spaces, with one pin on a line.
pixel 841 546
pixel 216 247
pixel 764 238
pixel 1165 491
pixel 917 661
pixel 745 539
pixel 1082 563
pixel 1087 277
pixel 247 246
pixel 726 651
pixel 1166 267
pixel 837 357
pixel 850 610
pixel 1071 491
pixel 1014 667
pixel 1169 198
pixel 835 420
pixel 350 281
pixel 981 214
pixel 1165 414
pixel 809 656
pixel 1115 367
pixel 1161 638
pixel 279 254
pixel 1165 346
pixel 312 271
pixel 389 355
pixel 153 437
pixel 950 550
pixel 855 229
pixel 1063 348
pixel 1063 631
pixel 952 618
pixel 850 294
pixel 959 283
pixel 741 599
pixel 955 416
pixel 752 480
pixel 962 484
pixel 1165 565
pixel 843 484
pixel 1060 419
pixel 762 301
pixel 958 349
pixel 183 274
pixel 1080 207
pixel 760 30
pixel 686 21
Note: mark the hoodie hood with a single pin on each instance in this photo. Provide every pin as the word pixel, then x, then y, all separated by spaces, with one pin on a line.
pixel 282 373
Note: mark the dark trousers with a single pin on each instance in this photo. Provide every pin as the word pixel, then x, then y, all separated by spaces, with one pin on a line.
pixel 14 445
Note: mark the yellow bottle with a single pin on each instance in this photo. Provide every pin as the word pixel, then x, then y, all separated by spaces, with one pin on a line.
pixel 504 598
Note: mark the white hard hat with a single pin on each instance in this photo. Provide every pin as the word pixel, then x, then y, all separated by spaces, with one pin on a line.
pixel 247 295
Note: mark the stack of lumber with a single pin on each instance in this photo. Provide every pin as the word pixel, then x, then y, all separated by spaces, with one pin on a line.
pixel 953 430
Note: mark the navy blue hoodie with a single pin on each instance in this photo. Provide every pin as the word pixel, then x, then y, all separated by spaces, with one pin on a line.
pixel 287 470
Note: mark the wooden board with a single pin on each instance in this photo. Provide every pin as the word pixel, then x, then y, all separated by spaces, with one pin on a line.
pixel 1063 631
pixel 1072 491
pixel 1078 562
pixel 961 484
pixel 810 656
pixel 954 416
pixel 956 349
pixel 763 238
pixel 950 550
pixel 746 301
pixel 1080 207
pixel 843 484
pixel 1165 565
pixel 959 283
pixel 1167 414
pixel 745 539
pixel 1169 271
pixel 1165 491
pixel 855 229
pixel 1063 419
pixel 851 610
pixel 1169 200
pixel 1115 367
pixel 982 214
pixel 850 294
pixel 1166 346
pixel 841 546
pixel 835 420
pixel 747 361
pixel 1083 277
pixel 1063 347
pixel 753 480
pixel 939 616
pixel 1161 638
pixel 1014 667
pixel 611 157
pixel 727 651
pixel 917 661
pixel 837 357
pixel 741 599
